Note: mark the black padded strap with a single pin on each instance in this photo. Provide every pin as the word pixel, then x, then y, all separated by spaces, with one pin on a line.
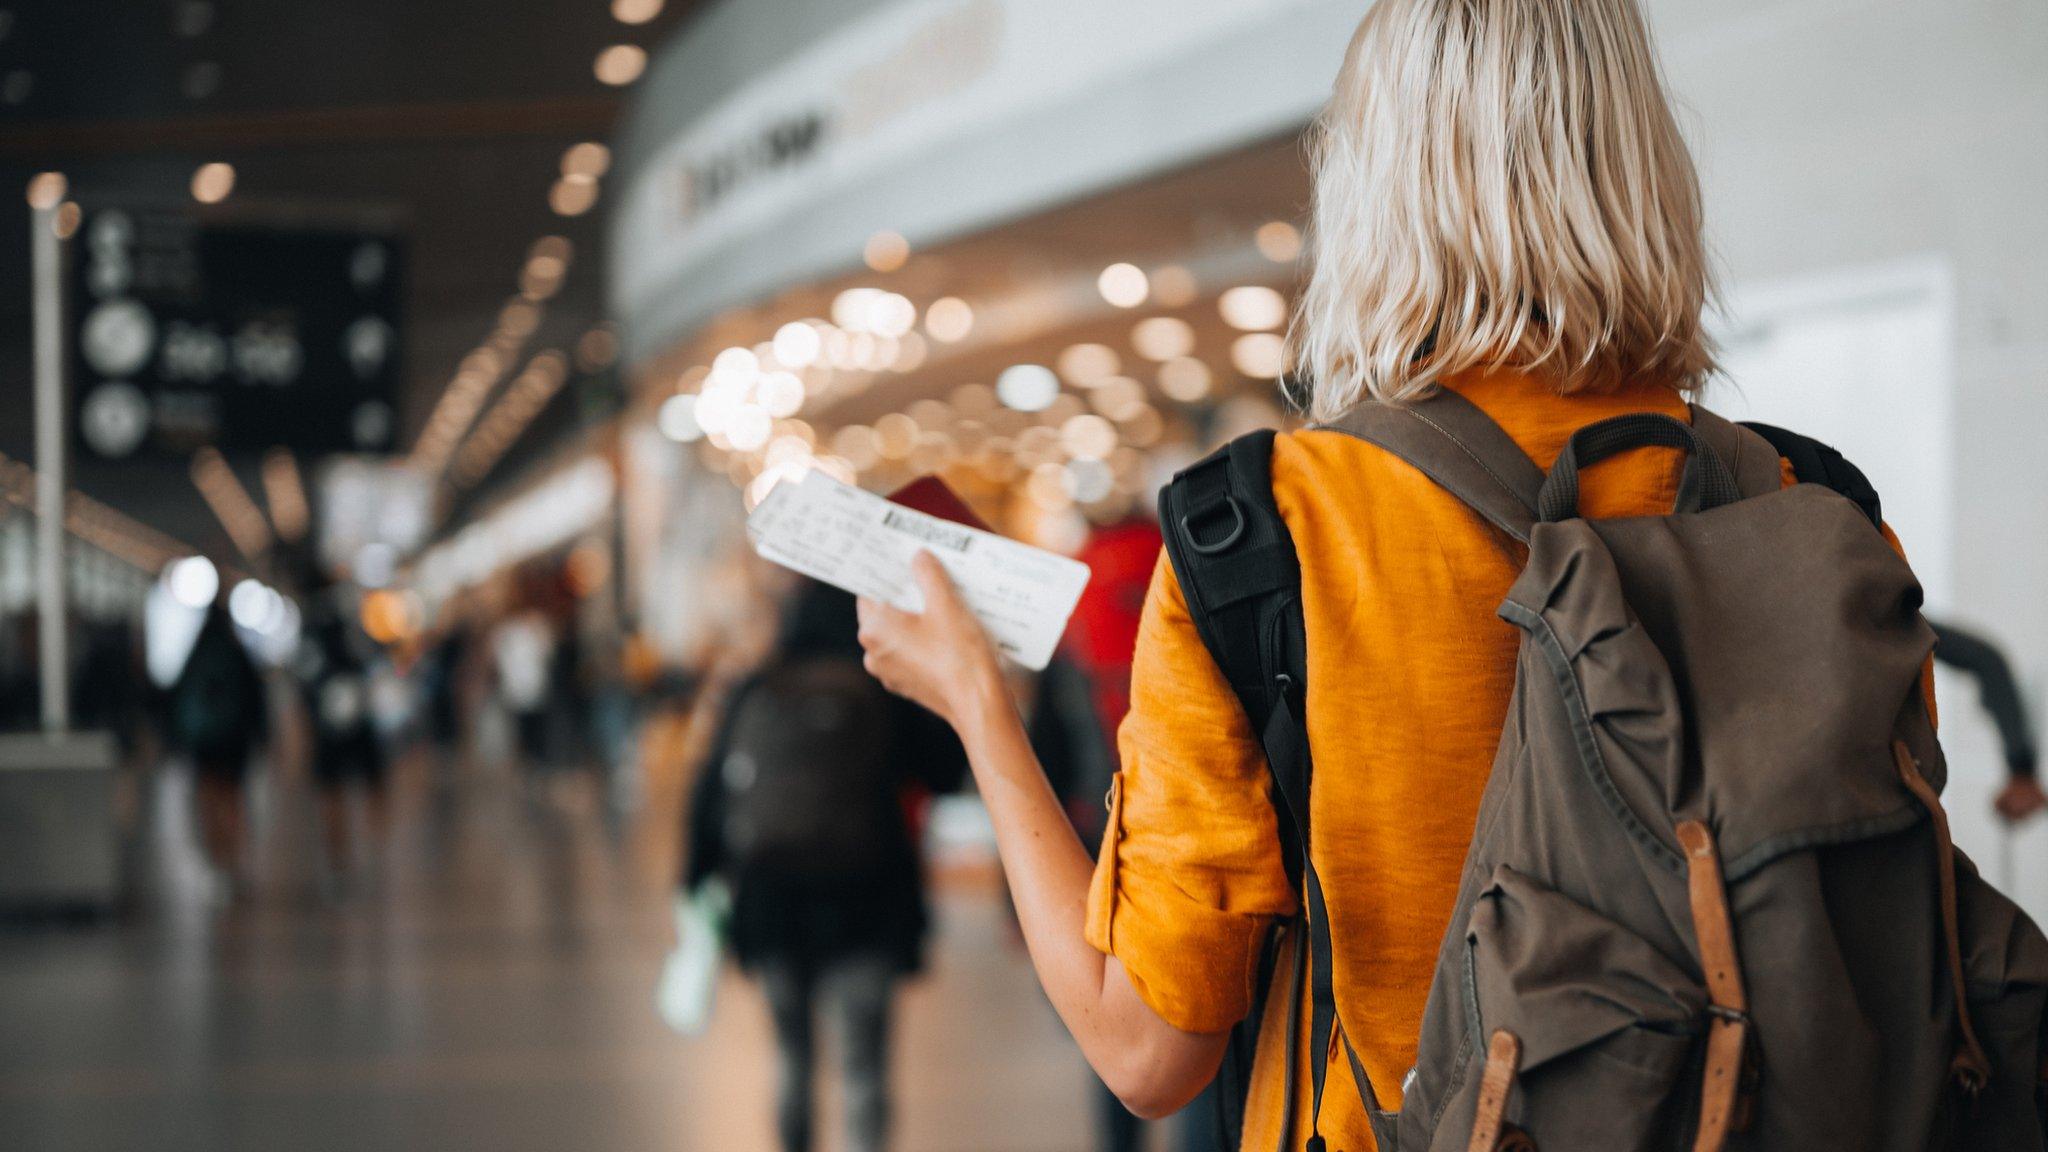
pixel 1448 439
pixel 1816 463
pixel 1235 561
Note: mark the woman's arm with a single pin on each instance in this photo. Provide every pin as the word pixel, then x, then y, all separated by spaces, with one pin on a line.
pixel 942 659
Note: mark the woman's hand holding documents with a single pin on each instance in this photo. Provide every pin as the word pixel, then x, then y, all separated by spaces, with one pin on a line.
pixel 862 543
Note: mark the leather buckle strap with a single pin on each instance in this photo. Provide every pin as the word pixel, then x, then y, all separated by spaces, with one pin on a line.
pixel 1727 1081
pixel 1496 1083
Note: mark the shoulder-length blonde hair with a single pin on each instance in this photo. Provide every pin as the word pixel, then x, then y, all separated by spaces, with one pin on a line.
pixel 1500 183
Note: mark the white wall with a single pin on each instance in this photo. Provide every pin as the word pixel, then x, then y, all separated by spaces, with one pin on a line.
pixel 1838 136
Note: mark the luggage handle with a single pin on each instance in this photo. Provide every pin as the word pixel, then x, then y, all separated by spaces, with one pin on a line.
pixel 1706 484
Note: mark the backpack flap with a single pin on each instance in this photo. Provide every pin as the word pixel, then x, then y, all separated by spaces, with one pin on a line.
pixel 1749 654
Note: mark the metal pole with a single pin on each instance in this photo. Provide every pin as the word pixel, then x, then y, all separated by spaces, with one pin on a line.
pixel 50 483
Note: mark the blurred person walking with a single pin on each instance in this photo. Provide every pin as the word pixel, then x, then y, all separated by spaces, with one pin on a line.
pixel 805 808
pixel 347 752
pixel 218 714
pixel 523 647
pixel 1508 279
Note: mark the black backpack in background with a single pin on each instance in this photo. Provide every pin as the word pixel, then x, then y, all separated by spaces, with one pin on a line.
pixel 811 789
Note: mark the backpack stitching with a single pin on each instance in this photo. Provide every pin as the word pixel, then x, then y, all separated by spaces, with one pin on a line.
pixel 1590 759
pixel 1476 458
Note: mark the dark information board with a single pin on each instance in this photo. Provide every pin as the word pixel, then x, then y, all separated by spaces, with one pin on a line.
pixel 246 337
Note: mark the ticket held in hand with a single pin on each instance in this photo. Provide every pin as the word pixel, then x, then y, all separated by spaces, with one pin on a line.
pixel 858 541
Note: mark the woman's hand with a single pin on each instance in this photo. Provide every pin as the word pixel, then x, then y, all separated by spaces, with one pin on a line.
pixel 940 658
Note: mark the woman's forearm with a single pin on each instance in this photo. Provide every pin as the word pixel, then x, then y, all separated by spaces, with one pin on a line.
pixel 942 659
pixel 1153 1066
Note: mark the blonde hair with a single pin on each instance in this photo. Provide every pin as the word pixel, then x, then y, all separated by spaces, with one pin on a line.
pixel 1500 183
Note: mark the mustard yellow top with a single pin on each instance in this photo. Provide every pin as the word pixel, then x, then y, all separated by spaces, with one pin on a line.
pixel 1409 674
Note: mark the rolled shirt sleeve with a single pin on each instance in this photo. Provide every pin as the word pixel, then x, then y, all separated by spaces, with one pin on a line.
pixel 1190 877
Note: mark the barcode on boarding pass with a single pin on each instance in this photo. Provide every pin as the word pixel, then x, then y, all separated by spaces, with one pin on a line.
pixel 932 532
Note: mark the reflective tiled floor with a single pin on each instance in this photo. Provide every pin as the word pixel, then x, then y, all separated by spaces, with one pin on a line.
pixel 490 988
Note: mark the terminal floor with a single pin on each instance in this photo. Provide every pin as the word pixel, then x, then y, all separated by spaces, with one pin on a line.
pixel 492 988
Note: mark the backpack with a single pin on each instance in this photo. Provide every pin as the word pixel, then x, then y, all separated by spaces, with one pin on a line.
pixel 809 774
pixel 207 711
pixel 1710 900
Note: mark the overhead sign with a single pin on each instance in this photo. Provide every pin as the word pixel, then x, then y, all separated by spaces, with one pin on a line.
pixel 243 337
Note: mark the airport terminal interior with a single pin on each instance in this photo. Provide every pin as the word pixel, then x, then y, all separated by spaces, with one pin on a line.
pixel 385 388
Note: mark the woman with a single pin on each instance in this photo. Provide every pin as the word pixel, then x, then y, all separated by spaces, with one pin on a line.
pixel 1504 208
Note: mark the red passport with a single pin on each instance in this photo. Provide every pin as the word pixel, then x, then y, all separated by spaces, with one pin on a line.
pixel 931 496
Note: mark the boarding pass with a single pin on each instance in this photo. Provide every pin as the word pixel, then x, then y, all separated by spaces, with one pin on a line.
pixel 856 540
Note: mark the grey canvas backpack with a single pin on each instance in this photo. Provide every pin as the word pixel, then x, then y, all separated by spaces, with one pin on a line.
pixel 1710 900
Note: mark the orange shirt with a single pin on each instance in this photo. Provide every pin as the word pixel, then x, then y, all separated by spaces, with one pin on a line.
pixel 1409 674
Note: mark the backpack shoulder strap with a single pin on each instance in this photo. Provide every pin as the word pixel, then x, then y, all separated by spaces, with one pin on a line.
pixel 1449 439
pixel 1234 557
pixel 1816 463
pixel 1235 561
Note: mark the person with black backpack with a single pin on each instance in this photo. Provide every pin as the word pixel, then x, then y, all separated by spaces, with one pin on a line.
pixel 1520 757
pixel 804 808
pixel 218 712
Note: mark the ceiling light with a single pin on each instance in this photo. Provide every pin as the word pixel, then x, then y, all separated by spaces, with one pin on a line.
pixel 780 394
pixel 895 436
pixel 635 11
pixel 46 190
pixel 749 428
pixel 890 315
pixel 193 581
pixel 1261 355
pixel 1253 308
pixel 797 345
pixel 1084 365
pixel 852 308
pixel 949 320
pixel 621 64
pixel 1124 285
pixel 1163 338
pixel 738 366
pixel 589 160
pixel 1088 437
pixel 1118 397
pixel 254 607
pixel 517 319
pixel 886 251
pixel 212 182
pixel 571 197
pixel 1279 242
pixel 1028 387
